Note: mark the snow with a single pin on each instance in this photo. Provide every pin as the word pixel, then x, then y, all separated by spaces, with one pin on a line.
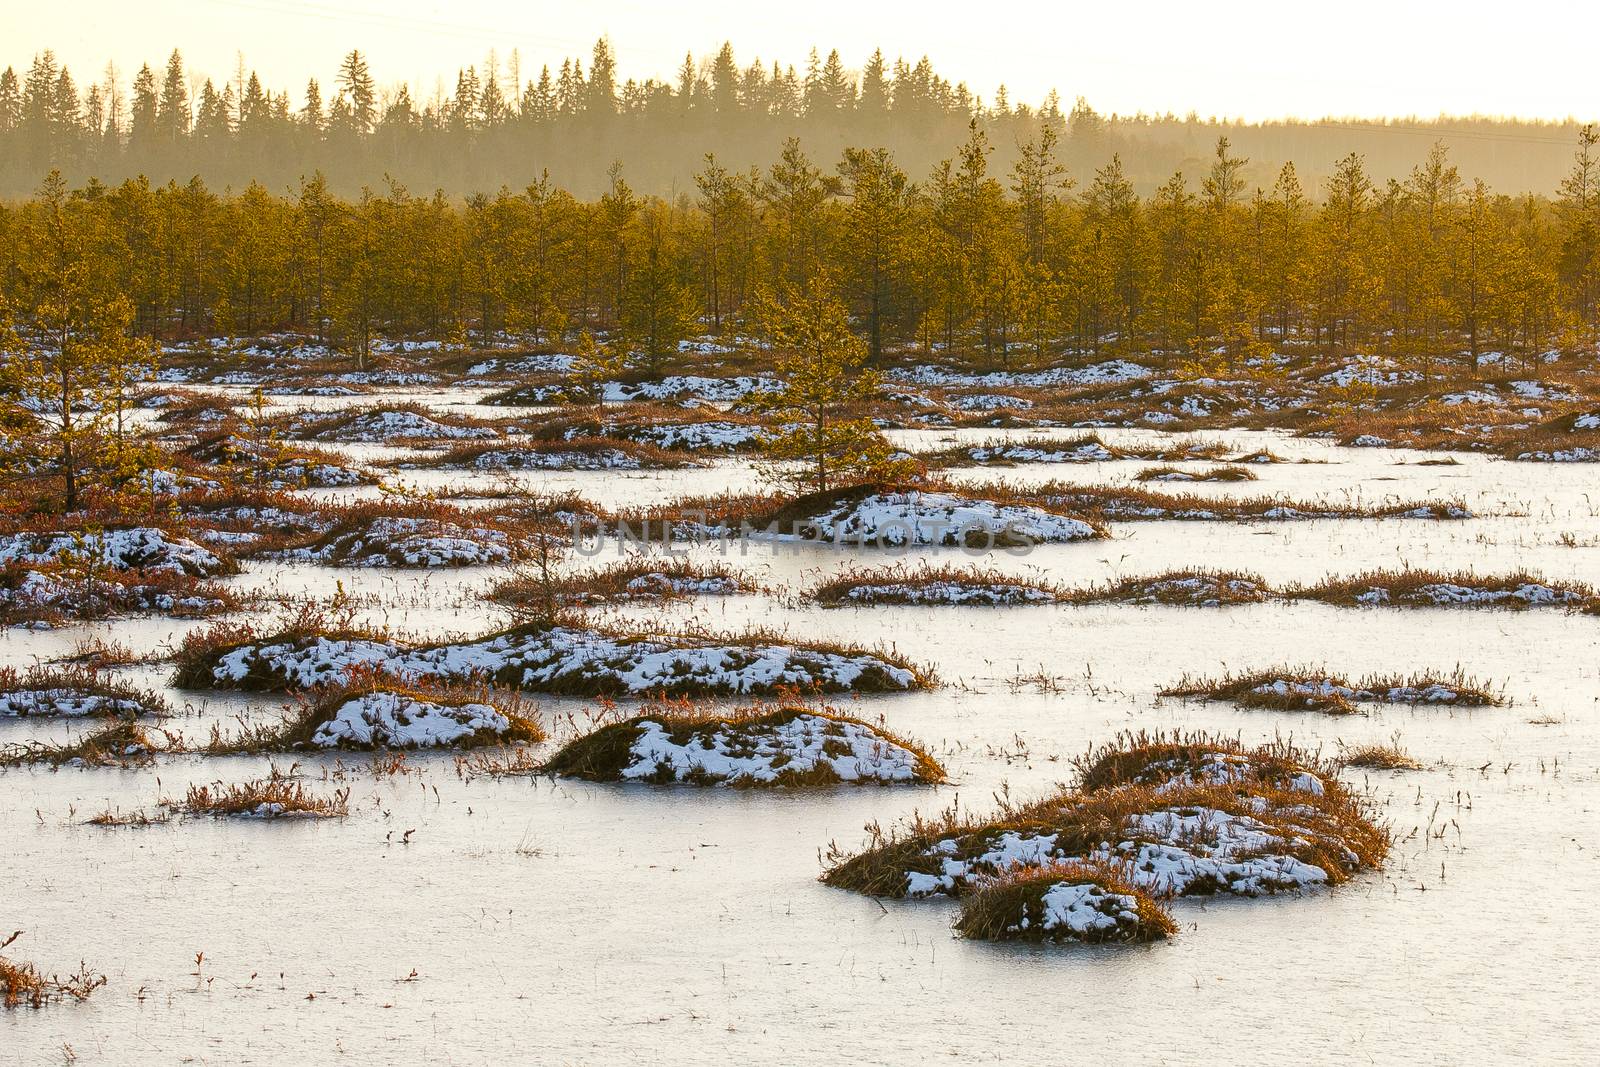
pixel 1368 440
pixel 567 658
pixel 896 519
pixel 393 720
pixel 757 753
pixel 134 548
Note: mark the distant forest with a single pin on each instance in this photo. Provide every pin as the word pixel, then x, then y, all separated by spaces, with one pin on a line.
pixel 505 124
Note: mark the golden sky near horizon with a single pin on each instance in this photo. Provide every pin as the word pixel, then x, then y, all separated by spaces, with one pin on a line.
pixel 1244 59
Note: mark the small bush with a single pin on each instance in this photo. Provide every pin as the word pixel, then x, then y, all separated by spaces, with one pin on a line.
pixel 267 798
pixel 21 984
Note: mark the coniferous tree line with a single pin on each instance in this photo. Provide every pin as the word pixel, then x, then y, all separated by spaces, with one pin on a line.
pixel 502 121
pixel 1007 268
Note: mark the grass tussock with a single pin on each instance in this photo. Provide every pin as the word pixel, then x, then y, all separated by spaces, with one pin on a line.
pixel 1381 756
pixel 22 985
pixel 753 746
pixel 116 818
pixel 1021 905
pixel 118 744
pixel 273 797
pixel 1311 689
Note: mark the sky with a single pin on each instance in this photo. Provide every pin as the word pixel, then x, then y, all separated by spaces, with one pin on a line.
pixel 1243 59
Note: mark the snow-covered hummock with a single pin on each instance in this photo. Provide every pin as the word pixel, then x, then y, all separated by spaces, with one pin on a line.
pixel 1586 422
pixel 1199 590
pixel 541 364
pixel 752 753
pixel 895 519
pixel 571 460
pixel 1106 373
pixel 568 659
pixel 394 720
pixel 135 548
pixel 989 402
pixel 1470 396
pixel 1368 370
pixel 1222 768
pixel 699 436
pixel 690 387
pixel 159 482
pixel 1169 851
pixel 1368 440
pixel 410 542
pixel 311 390
pixel 1527 594
pixel 388 377
pixel 658 583
pixel 1080 911
pixel 1086 452
pixel 303 472
pixel 44 591
pixel 68 702
pixel 1327 688
pixel 1575 454
pixel 947 592
pixel 376 427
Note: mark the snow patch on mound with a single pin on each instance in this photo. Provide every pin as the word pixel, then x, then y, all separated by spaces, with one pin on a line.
pixel 393 720
pixel 735 754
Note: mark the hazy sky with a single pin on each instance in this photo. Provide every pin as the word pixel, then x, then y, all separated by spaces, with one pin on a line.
pixel 1244 58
